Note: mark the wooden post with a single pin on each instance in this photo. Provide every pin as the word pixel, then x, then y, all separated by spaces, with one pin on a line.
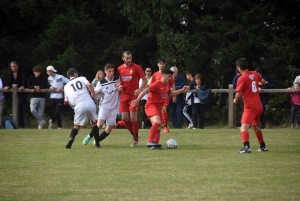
pixel 15 104
pixel 230 106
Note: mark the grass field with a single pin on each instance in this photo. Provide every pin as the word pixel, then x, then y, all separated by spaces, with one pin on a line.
pixel 34 165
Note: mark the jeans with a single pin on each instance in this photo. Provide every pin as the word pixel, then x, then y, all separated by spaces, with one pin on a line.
pixel 175 110
pixel 295 114
pixel 37 107
pixel 1 111
pixel 198 110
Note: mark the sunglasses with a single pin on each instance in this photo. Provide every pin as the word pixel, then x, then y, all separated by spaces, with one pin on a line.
pixel 148 71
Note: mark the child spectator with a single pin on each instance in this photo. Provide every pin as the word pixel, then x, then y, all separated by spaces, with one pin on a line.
pixel 295 108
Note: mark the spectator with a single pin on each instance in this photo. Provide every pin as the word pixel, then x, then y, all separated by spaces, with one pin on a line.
pixel 37 82
pixel 99 76
pixel 198 109
pixel 18 76
pixel 297 79
pixel 146 122
pixel 264 97
pixel 238 108
pixel 295 106
pixel 130 74
pixel 176 102
pixel 161 63
pixel 247 87
pixel 187 110
pixel 2 99
pixel 56 83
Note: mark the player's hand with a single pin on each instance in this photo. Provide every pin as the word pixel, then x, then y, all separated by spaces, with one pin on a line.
pixel 174 99
pixel 137 92
pixel 134 103
pixel 235 101
pixel 186 88
pixel 164 109
pixel 120 87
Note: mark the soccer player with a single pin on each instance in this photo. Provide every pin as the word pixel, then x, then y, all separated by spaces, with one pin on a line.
pixel 108 107
pixel 56 82
pixel 159 93
pixel 161 63
pixel 84 106
pixel 247 86
pixel 130 75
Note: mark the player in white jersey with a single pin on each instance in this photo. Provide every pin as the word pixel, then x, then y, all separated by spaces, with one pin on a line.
pixel 108 106
pixel 56 83
pixel 84 106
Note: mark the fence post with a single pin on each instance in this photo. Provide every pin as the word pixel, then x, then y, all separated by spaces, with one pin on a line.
pixel 230 105
pixel 15 103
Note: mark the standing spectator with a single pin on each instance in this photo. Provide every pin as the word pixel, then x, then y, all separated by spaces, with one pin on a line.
pixel 187 110
pixel 109 105
pixel 238 108
pixel 161 63
pixel 56 83
pixel 99 76
pixel 146 122
pixel 158 97
pixel 2 99
pixel 176 102
pixel 18 76
pixel 37 82
pixel 198 108
pixel 297 79
pixel 130 74
pixel 264 97
pixel 80 100
pixel 247 86
pixel 295 106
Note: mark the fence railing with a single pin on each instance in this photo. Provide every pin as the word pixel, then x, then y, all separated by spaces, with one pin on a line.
pixel 230 91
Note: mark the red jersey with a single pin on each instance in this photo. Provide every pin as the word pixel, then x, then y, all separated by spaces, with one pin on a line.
pixel 159 93
pixel 247 84
pixel 130 77
pixel 157 76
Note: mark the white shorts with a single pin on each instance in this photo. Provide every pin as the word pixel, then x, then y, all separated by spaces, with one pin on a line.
pixel 108 115
pixel 83 111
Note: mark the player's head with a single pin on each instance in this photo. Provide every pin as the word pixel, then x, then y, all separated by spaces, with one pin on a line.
pixel 72 72
pixel 161 63
pixel 127 58
pixel 109 70
pixel 242 63
pixel 166 75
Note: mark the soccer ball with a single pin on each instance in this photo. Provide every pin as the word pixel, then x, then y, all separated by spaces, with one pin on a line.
pixel 172 144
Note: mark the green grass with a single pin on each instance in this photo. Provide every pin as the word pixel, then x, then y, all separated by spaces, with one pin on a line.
pixel 34 165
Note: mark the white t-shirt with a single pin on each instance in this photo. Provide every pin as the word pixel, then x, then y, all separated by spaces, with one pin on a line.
pixel 109 92
pixel 145 97
pixel 76 91
pixel 57 81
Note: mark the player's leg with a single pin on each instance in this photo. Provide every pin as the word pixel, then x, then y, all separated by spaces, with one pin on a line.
pixel 73 134
pixel 246 122
pixel 259 135
pixel 134 122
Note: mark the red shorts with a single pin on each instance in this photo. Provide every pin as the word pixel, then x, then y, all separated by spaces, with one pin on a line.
pixel 152 110
pixel 252 116
pixel 125 100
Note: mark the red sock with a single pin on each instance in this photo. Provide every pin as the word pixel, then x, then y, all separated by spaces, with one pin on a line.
pixel 135 130
pixel 157 136
pixel 165 118
pixel 153 131
pixel 245 136
pixel 259 136
pixel 128 125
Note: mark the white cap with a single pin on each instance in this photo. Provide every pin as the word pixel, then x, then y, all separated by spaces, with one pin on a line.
pixel 51 68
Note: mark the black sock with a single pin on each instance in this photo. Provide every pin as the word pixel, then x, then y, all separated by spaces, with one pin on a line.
pixel 73 133
pixel 135 135
pixel 262 144
pixel 95 133
pixel 103 135
pixel 247 144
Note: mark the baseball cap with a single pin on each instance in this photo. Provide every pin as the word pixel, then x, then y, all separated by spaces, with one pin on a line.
pixel 51 68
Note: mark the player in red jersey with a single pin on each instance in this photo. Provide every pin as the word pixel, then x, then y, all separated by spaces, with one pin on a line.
pixel 130 75
pixel 161 63
pixel 247 86
pixel 159 95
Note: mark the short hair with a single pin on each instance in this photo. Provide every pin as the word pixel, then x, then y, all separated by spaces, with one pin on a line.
pixel 259 70
pixel 97 74
pixel 161 60
pixel 71 72
pixel 37 69
pixel 189 72
pixel 174 68
pixel 14 62
pixel 126 53
pixel 198 76
pixel 167 71
pixel 108 66
pixel 242 63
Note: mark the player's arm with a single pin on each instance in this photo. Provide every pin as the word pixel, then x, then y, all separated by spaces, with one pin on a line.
pixel 143 85
pixel 237 97
pixel 140 96
pixel 91 88
pixel 179 91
